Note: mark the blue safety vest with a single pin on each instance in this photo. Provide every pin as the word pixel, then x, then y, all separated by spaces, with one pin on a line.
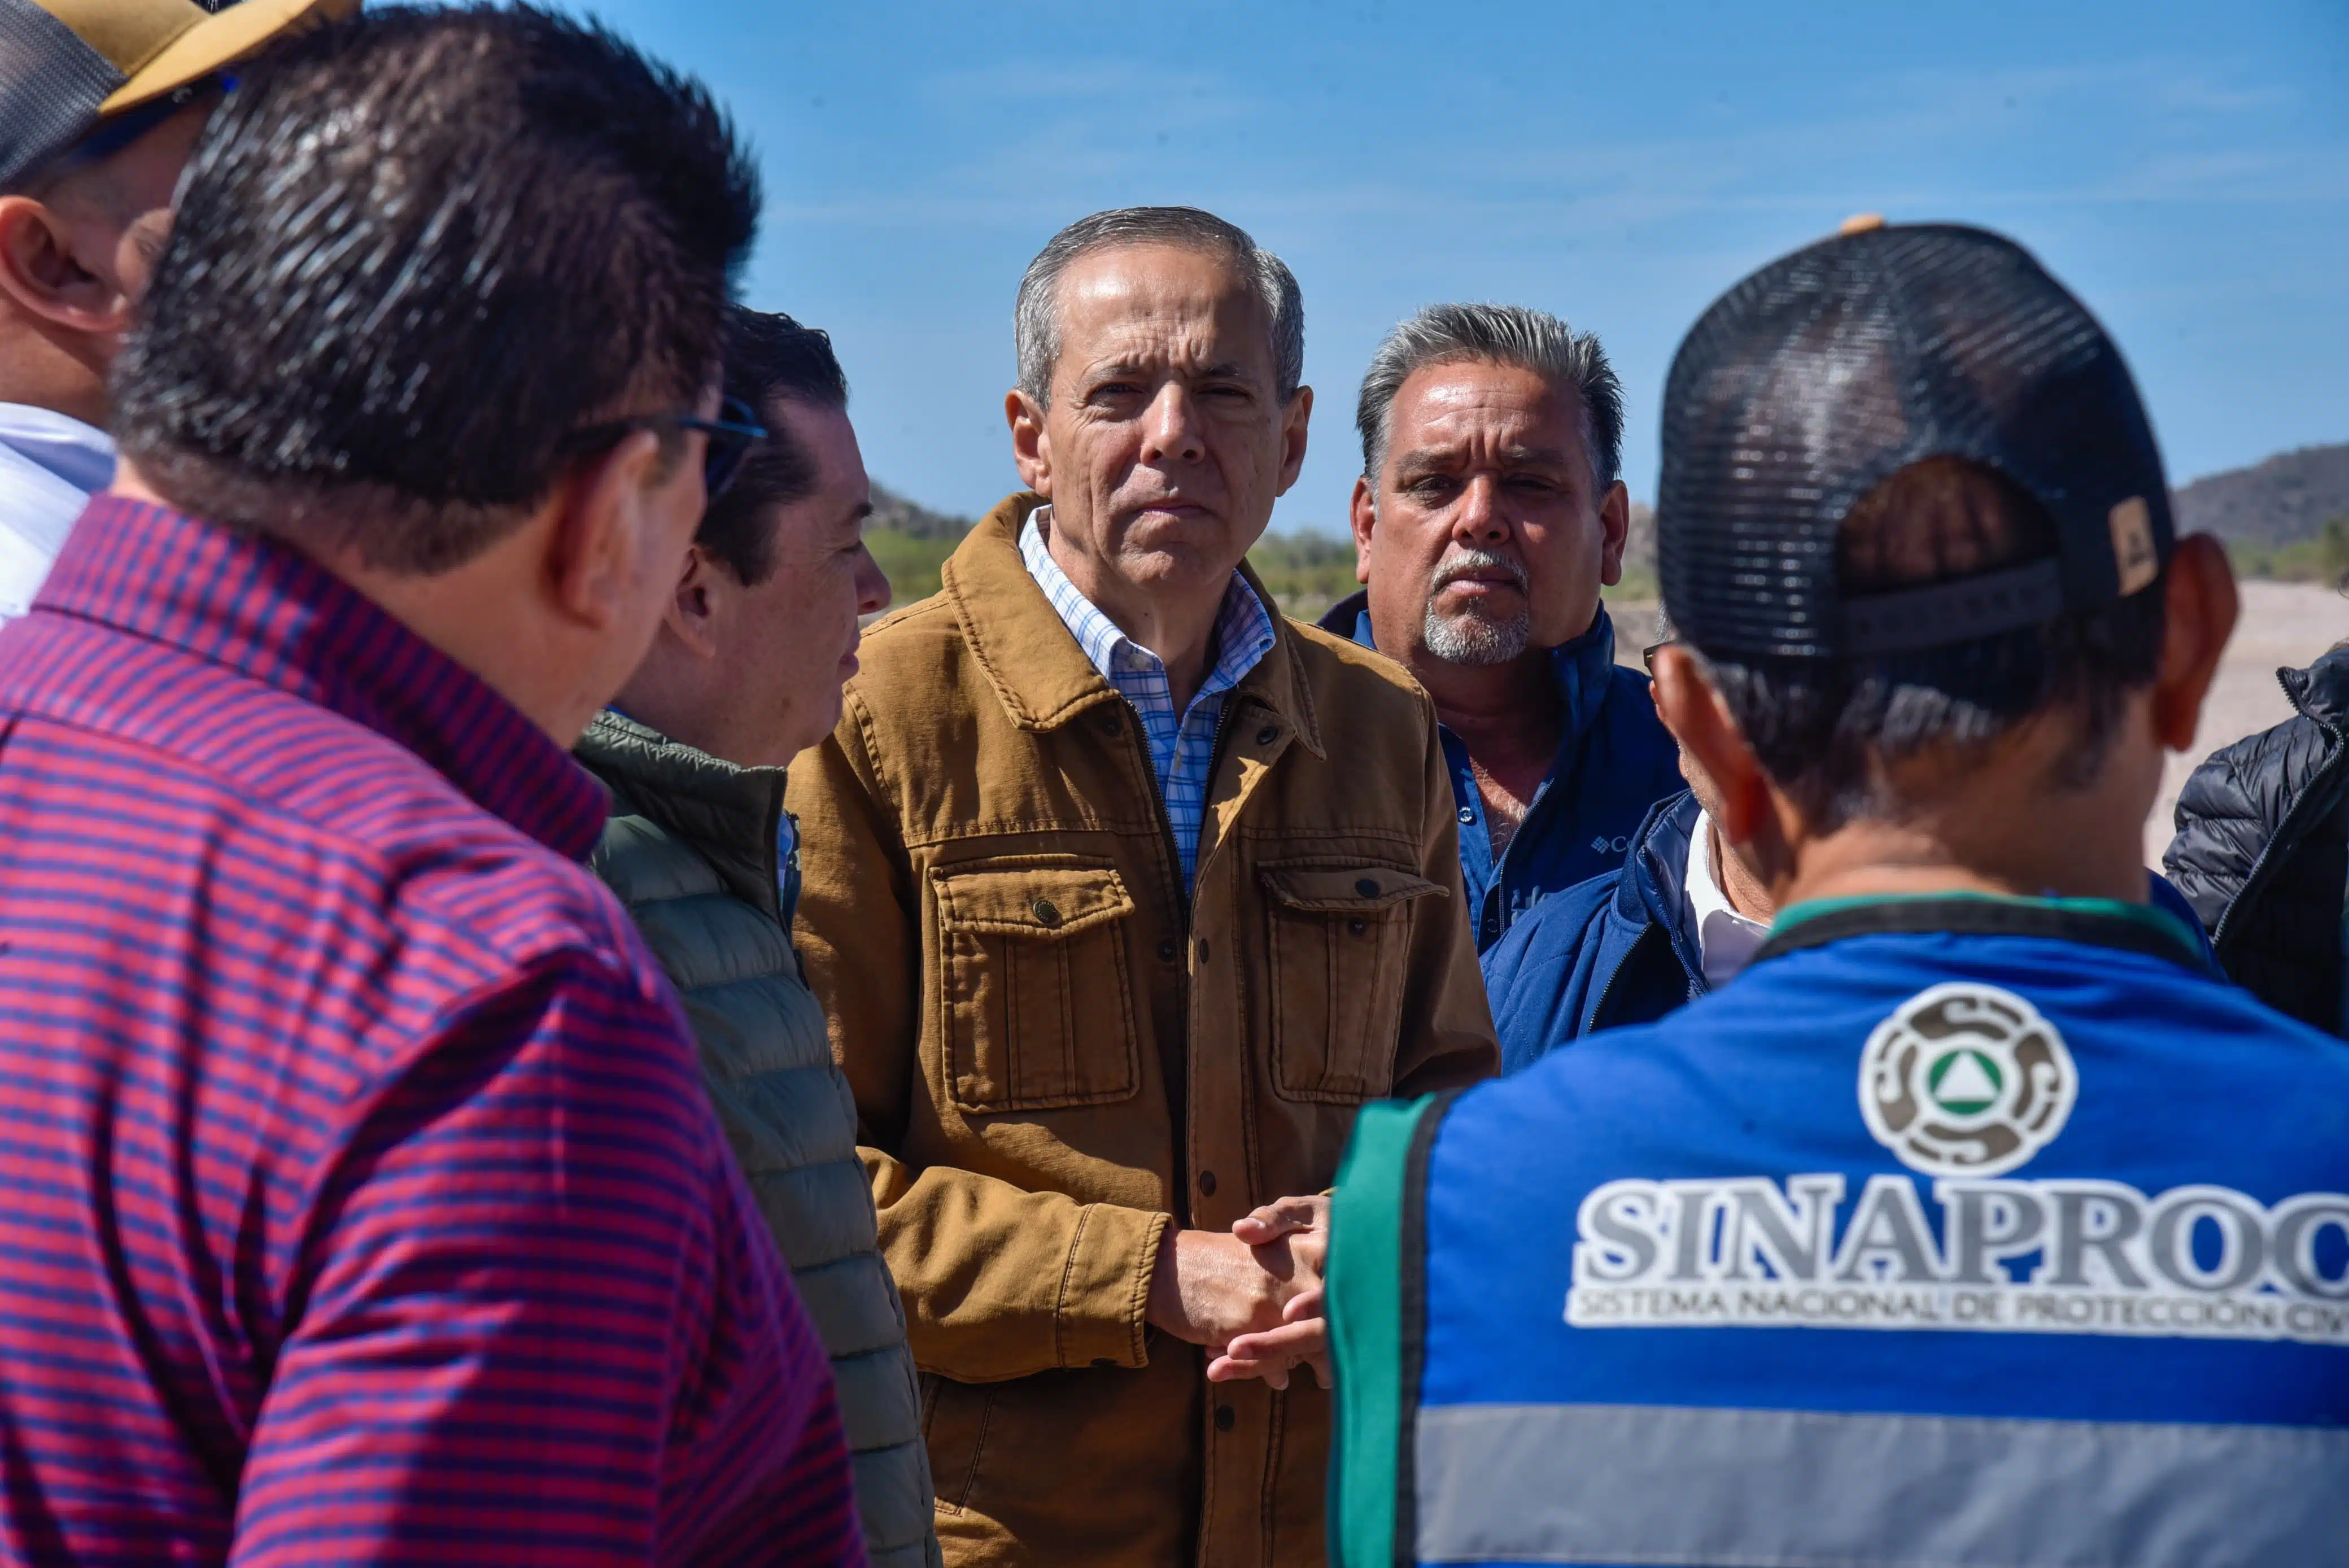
pixel 1958 1231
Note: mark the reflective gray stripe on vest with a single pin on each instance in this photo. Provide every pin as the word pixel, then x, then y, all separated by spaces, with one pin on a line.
pixel 1743 1489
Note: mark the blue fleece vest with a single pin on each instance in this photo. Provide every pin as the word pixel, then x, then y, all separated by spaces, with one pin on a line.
pixel 1615 761
pixel 1958 1231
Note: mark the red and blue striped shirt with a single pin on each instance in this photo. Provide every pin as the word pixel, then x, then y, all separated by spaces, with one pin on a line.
pixel 360 1198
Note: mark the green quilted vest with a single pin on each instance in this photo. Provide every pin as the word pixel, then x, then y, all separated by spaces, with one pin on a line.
pixel 692 850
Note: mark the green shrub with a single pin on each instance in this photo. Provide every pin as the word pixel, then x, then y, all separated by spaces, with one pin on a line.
pixel 2324 558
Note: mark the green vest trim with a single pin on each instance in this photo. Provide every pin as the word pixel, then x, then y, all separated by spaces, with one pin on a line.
pixel 2100 921
pixel 1377 1306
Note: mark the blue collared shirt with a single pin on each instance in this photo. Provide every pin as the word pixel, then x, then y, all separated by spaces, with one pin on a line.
pixel 1182 746
pixel 1614 762
pixel 50 465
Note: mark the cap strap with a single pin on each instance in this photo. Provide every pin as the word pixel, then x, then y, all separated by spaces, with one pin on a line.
pixel 1958 611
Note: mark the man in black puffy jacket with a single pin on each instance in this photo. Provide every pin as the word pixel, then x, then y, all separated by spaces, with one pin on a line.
pixel 2262 849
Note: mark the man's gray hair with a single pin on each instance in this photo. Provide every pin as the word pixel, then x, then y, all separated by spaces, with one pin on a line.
pixel 1513 334
pixel 1036 316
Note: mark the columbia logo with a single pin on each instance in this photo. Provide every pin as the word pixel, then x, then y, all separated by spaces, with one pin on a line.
pixel 1602 844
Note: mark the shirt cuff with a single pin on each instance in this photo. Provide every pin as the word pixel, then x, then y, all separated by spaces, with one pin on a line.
pixel 1105 1285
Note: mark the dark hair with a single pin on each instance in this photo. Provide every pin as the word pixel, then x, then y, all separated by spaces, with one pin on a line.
pixel 1819 727
pixel 414 254
pixel 768 357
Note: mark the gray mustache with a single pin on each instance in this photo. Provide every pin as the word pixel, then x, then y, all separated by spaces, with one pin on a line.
pixel 1459 562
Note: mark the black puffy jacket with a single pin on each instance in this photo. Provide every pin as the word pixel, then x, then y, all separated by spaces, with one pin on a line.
pixel 2263 848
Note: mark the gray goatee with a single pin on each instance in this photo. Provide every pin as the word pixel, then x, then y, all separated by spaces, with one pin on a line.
pixel 1473 635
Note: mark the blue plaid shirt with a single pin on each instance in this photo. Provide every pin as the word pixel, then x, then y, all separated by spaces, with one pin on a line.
pixel 1182 749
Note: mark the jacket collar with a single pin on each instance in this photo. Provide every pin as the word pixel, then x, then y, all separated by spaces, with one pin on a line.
pixel 1580 669
pixel 1040 674
pixel 731 815
pixel 1656 872
pixel 1653 887
pixel 2321 692
pixel 269 614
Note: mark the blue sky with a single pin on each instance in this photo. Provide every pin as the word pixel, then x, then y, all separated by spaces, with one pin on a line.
pixel 2184 167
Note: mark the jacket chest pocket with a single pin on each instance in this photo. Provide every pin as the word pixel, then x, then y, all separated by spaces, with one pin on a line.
pixel 1337 949
pixel 1039 1006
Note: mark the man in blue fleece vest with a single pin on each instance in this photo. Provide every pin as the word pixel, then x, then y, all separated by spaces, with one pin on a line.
pixel 1979 1222
pixel 1488 516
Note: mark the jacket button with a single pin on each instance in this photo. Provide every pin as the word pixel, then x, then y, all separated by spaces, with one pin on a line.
pixel 1046 912
pixel 1367 888
pixel 1203 952
pixel 1111 726
pixel 1207 1182
pixel 1268 735
pixel 1467 813
pixel 1357 927
pixel 1166 953
pixel 1225 1417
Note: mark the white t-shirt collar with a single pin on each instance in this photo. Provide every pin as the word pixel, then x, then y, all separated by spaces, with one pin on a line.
pixel 1726 941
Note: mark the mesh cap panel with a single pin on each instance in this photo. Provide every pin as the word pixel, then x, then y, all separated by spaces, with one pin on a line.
pixel 1829 370
pixel 51 84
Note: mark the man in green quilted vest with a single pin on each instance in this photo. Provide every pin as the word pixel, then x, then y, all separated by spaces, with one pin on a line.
pixel 745 675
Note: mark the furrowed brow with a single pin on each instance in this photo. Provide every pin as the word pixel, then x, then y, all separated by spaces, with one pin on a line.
pixel 1537 457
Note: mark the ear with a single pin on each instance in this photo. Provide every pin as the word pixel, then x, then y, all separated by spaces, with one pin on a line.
pixel 693 613
pixel 45 276
pixel 1031 448
pixel 1363 514
pixel 1614 529
pixel 1293 422
pixel 2198 608
pixel 1751 816
pixel 1293 438
pixel 606 524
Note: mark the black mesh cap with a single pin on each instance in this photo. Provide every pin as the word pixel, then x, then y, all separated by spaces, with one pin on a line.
pixel 1830 370
pixel 69 67
pixel 54 83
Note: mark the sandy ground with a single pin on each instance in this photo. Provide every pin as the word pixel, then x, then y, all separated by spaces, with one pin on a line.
pixel 2284 623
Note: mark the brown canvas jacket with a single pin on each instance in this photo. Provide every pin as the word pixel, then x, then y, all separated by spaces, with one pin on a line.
pixel 1056 1054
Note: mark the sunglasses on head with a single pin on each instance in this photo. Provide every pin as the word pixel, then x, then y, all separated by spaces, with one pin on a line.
pixel 1647 655
pixel 732 436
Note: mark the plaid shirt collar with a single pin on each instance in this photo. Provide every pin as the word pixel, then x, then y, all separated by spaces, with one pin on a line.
pixel 263 610
pixel 1244 630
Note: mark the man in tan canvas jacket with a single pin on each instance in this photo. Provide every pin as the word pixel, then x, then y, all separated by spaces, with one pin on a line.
pixel 1123 893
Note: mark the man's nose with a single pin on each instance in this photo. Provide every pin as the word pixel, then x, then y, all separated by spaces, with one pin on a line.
pixel 872 590
pixel 1170 426
pixel 1479 517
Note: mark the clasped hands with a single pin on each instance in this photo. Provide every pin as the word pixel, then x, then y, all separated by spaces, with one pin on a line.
pixel 1251 1295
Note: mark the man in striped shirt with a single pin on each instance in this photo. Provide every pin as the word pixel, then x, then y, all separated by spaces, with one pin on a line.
pixel 359 1199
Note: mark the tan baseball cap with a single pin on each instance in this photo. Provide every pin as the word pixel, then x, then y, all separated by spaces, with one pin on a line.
pixel 68 65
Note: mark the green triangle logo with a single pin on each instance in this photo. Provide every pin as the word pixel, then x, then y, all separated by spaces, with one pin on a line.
pixel 1965 1082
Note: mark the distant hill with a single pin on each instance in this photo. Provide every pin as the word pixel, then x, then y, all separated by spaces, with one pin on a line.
pixel 1640 543
pixel 2287 517
pixel 897 515
pixel 2286 500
